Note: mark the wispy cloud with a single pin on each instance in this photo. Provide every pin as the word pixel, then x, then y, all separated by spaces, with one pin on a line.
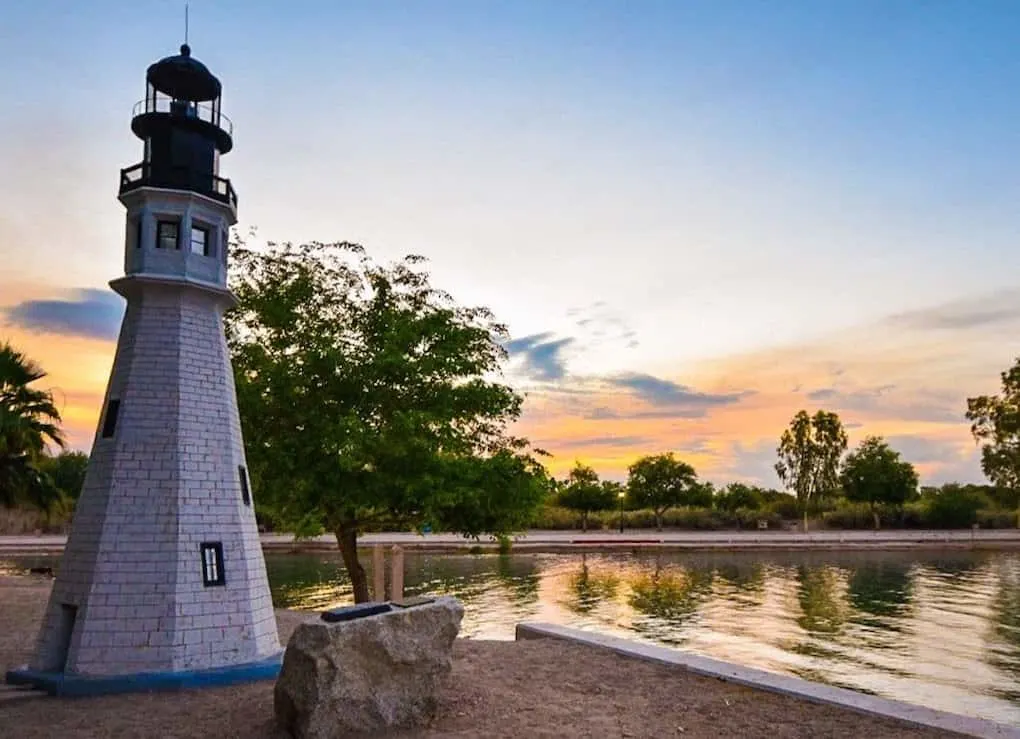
pixel 90 313
pixel 671 398
pixel 922 450
pixel 608 440
pixel 599 324
pixel 543 357
pixel 825 393
pixel 751 462
pixel 941 458
pixel 994 310
pixel 916 404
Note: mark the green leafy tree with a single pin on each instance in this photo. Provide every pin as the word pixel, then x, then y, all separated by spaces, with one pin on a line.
pixel 953 506
pixel 67 472
pixel 809 453
pixel 368 401
pixel 584 493
pixel 29 420
pixel 995 425
pixel 874 474
pixel 615 490
pixel 616 493
pixel 737 496
pixel 661 482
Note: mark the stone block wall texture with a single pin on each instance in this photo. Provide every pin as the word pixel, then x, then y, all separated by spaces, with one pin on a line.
pixel 147 206
pixel 164 483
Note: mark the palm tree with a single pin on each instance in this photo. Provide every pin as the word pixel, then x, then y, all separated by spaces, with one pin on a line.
pixel 28 420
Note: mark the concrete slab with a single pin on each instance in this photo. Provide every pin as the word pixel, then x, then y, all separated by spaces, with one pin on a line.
pixel 773 682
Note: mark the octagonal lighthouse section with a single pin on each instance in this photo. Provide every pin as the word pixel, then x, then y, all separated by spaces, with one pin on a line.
pixel 163 583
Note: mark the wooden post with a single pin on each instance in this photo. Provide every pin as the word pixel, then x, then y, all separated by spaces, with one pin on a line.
pixel 397 573
pixel 378 573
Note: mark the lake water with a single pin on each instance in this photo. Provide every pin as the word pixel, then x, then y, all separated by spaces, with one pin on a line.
pixel 942 630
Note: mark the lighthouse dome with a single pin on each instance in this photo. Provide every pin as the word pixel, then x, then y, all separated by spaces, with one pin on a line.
pixel 183 77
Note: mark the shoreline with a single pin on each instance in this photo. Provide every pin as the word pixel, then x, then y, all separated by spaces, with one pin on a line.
pixel 553 542
pixel 518 689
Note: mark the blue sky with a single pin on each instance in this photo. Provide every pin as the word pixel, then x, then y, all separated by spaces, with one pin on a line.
pixel 697 193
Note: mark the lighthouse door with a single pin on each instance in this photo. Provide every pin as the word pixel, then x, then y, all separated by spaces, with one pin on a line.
pixel 68 615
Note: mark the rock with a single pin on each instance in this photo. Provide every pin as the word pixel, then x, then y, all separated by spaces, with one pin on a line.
pixel 366 674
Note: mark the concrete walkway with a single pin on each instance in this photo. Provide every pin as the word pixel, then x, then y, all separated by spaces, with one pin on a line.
pixel 575 540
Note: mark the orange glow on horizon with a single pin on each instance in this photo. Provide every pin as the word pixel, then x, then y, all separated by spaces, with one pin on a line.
pixel 884 387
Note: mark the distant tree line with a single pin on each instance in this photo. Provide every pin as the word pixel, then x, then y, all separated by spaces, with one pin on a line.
pixel 870 486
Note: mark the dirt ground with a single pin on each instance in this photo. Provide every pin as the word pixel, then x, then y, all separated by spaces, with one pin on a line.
pixel 497 689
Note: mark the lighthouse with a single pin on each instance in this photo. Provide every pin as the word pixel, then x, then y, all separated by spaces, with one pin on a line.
pixel 163 582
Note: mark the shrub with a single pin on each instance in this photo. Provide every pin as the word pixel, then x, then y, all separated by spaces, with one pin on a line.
pixel 640 519
pixel 696 519
pixel 853 515
pixel 997 518
pixel 948 508
pixel 912 516
pixel 1004 498
pixel 954 507
pixel 784 507
pixel 556 518
pixel 25 520
pixel 748 519
pixel 849 516
pixel 736 496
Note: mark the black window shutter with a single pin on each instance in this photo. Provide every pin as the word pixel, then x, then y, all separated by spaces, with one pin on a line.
pixel 110 419
pixel 245 493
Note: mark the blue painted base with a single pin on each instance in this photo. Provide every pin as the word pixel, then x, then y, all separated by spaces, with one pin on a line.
pixel 70 684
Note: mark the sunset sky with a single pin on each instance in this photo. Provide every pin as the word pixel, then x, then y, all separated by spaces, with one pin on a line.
pixel 696 217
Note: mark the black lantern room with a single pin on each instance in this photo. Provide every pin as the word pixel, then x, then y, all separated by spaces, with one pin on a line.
pixel 183 128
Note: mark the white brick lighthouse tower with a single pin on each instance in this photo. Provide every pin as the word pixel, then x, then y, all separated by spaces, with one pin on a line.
pixel 163 583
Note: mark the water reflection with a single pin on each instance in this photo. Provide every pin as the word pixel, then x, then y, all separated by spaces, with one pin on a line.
pixel 942 630
pixel 1004 640
pixel 671 596
pixel 520 577
pixel 881 589
pixel 819 592
pixel 589 589
pixel 747 578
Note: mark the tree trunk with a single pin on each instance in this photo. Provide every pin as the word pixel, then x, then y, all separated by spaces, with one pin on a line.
pixel 584 522
pixel 347 538
pixel 805 520
pixel 658 520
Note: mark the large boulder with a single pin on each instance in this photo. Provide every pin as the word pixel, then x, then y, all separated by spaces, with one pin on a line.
pixel 366 674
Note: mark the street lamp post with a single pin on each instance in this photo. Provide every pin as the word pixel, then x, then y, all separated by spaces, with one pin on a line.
pixel 621 495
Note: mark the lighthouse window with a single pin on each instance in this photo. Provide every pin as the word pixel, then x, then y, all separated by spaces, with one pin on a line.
pixel 110 419
pixel 200 241
pixel 212 563
pixel 166 235
pixel 245 493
